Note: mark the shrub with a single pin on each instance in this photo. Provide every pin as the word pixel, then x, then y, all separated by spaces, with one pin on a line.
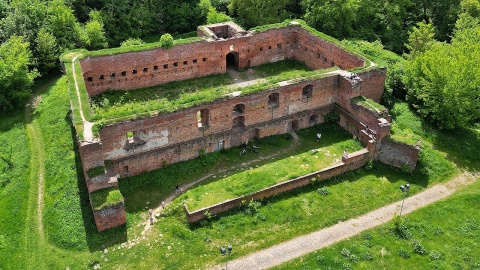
pixel 404 253
pixel 252 207
pixel 332 117
pixel 345 252
pixel 166 41
pixel 435 255
pixel 369 165
pixel 132 42
pixel 400 228
pixel 323 191
pixel 418 248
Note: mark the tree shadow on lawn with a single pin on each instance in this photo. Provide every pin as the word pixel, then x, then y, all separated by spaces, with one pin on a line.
pixel 96 241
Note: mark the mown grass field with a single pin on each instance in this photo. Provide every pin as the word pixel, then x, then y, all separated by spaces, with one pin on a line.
pixel 72 241
pixel 14 186
pixel 445 235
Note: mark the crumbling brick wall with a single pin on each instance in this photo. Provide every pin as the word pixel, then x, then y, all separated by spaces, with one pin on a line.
pixel 398 154
pixel 109 217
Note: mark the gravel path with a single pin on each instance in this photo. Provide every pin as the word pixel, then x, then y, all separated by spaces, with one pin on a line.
pixel 305 244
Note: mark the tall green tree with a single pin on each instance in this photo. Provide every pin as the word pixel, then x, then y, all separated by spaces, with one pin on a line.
pixel 252 13
pixel 334 17
pixel 46 51
pixel 443 82
pixel 420 39
pixel 63 25
pixel 15 77
pixel 93 34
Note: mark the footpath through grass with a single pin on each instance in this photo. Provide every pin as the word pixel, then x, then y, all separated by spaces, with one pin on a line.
pixel 445 235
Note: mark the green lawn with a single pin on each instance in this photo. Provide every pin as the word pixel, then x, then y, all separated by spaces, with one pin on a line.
pixel 72 240
pixel 448 232
pixel 250 178
pixel 14 185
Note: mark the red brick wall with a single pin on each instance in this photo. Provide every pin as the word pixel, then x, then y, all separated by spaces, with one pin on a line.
pixel 398 154
pixel 209 57
pixel 354 161
pixel 110 217
pixel 318 53
pixel 181 127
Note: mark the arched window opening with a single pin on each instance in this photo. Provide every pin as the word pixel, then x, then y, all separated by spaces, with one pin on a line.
pixel 313 120
pixel 273 100
pixel 307 92
pixel 203 117
pixel 232 60
pixel 239 109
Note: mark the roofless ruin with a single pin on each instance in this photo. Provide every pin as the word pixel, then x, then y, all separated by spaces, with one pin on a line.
pixel 180 128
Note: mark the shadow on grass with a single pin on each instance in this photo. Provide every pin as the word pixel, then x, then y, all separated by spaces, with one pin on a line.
pixel 461 145
pixel 95 240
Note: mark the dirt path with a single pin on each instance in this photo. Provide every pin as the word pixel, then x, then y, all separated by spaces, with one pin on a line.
pixel 305 244
pixel 87 126
pixel 34 232
pixel 218 172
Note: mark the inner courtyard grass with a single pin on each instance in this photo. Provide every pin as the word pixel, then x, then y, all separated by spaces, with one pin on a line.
pixel 116 105
pixel 448 231
pixel 250 179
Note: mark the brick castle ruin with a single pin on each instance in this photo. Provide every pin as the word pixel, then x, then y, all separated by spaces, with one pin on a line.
pixel 126 148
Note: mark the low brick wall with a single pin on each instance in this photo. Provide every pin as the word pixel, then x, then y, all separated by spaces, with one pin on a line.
pixel 353 161
pixel 398 154
pixel 109 217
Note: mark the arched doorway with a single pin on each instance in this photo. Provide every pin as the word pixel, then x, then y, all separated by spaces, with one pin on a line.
pixel 232 60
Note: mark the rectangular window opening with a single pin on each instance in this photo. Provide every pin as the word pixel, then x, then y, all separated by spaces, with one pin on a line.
pixel 155 67
pixel 145 69
pixel 194 61
pixel 269 47
pixel 112 75
pixel 90 79
pixel 165 66
pixel 261 49
pixel 124 73
pixel 185 63
pixel 134 71
pixel 204 59
pixel 100 77
pixel 175 64
pixel 279 45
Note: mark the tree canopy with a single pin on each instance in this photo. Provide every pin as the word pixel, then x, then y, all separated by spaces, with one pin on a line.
pixel 15 76
pixel 443 82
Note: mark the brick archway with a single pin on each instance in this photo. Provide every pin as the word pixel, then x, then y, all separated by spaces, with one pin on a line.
pixel 232 60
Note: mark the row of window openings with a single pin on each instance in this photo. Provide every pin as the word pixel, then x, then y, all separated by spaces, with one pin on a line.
pixel 279 47
pixel 203 116
pixel 124 73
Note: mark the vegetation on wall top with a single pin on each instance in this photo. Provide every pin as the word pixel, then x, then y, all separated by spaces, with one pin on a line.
pixel 104 198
